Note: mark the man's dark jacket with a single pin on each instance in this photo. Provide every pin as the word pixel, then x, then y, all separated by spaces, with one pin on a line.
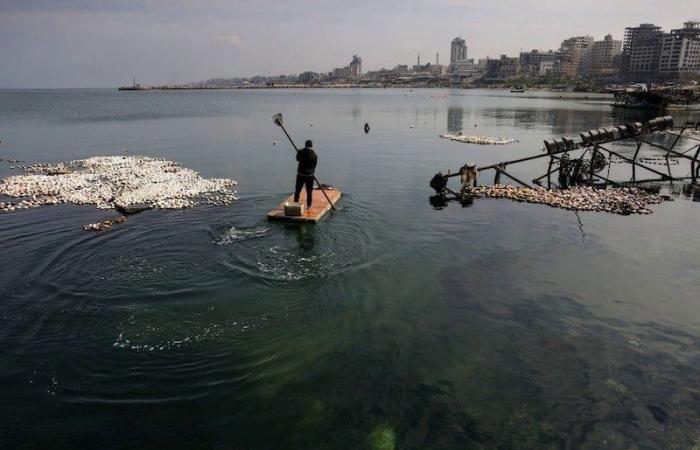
pixel 307 162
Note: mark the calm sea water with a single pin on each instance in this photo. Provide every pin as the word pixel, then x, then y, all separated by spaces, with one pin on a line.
pixel 390 324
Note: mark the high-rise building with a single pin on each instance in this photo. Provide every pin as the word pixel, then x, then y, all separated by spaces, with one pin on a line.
pixel 545 68
pixel 341 73
pixel 640 52
pixel 438 69
pixel 355 66
pixel 502 68
pixel 576 56
pixel 680 51
pixel 352 70
pixel 605 56
pixel 530 62
pixel 309 77
pixel 458 50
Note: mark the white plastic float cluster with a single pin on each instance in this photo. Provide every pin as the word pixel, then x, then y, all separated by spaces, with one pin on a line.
pixel 622 201
pixel 110 182
pixel 481 140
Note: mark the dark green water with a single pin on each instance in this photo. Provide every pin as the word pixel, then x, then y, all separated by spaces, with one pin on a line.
pixel 390 324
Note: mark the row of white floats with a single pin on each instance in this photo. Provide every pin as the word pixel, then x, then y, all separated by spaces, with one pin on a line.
pixel 481 140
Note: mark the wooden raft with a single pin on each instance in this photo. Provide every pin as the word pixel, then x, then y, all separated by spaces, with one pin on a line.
pixel 319 206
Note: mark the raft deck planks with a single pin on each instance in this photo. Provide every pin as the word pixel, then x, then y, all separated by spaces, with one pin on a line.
pixel 319 206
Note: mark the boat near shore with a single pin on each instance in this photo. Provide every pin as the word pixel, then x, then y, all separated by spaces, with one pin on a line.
pixel 642 97
pixel 641 100
pixel 657 99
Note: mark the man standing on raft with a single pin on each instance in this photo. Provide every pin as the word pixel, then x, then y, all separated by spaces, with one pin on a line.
pixel 305 172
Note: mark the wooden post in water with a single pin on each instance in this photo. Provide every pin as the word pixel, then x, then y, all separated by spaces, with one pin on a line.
pixel 634 164
pixel 592 167
pixel 501 170
pixel 549 172
pixel 694 169
pixel 548 175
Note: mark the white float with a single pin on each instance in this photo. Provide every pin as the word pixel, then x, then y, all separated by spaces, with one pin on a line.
pixel 481 140
pixel 624 201
pixel 115 182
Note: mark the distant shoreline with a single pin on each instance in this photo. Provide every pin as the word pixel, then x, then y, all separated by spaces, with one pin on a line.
pixel 352 86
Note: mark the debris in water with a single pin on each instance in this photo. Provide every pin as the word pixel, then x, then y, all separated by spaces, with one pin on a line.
pixel 105 225
pixel 622 201
pixel 126 183
pixel 481 140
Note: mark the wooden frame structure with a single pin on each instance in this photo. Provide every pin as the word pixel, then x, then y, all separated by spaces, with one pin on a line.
pixel 596 144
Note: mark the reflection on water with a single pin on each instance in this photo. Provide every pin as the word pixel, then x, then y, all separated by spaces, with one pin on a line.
pixel 392 323
pixel 438 201
pixel 305 237
pixel 566 120
pixel 455 118
pixel 692 192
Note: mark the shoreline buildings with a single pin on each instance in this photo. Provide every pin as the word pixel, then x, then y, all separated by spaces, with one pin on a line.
pixel 461 68
pixel 680 51
pixel 352 71
pixel 606 56
pixel 640 53
pixel 458 50
pixel 576 56
pixel 646 55
pixel 649 54
pixel 538 63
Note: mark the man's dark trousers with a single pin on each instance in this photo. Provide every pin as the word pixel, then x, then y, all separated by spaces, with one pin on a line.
pixel 307 181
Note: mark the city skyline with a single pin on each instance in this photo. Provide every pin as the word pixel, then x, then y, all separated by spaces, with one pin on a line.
pixel 76 44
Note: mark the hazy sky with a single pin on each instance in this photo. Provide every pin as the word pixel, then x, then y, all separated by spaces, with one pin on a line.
pixel 93 43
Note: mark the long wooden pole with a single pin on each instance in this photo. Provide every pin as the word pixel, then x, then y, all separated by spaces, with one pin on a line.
pixel 315 179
